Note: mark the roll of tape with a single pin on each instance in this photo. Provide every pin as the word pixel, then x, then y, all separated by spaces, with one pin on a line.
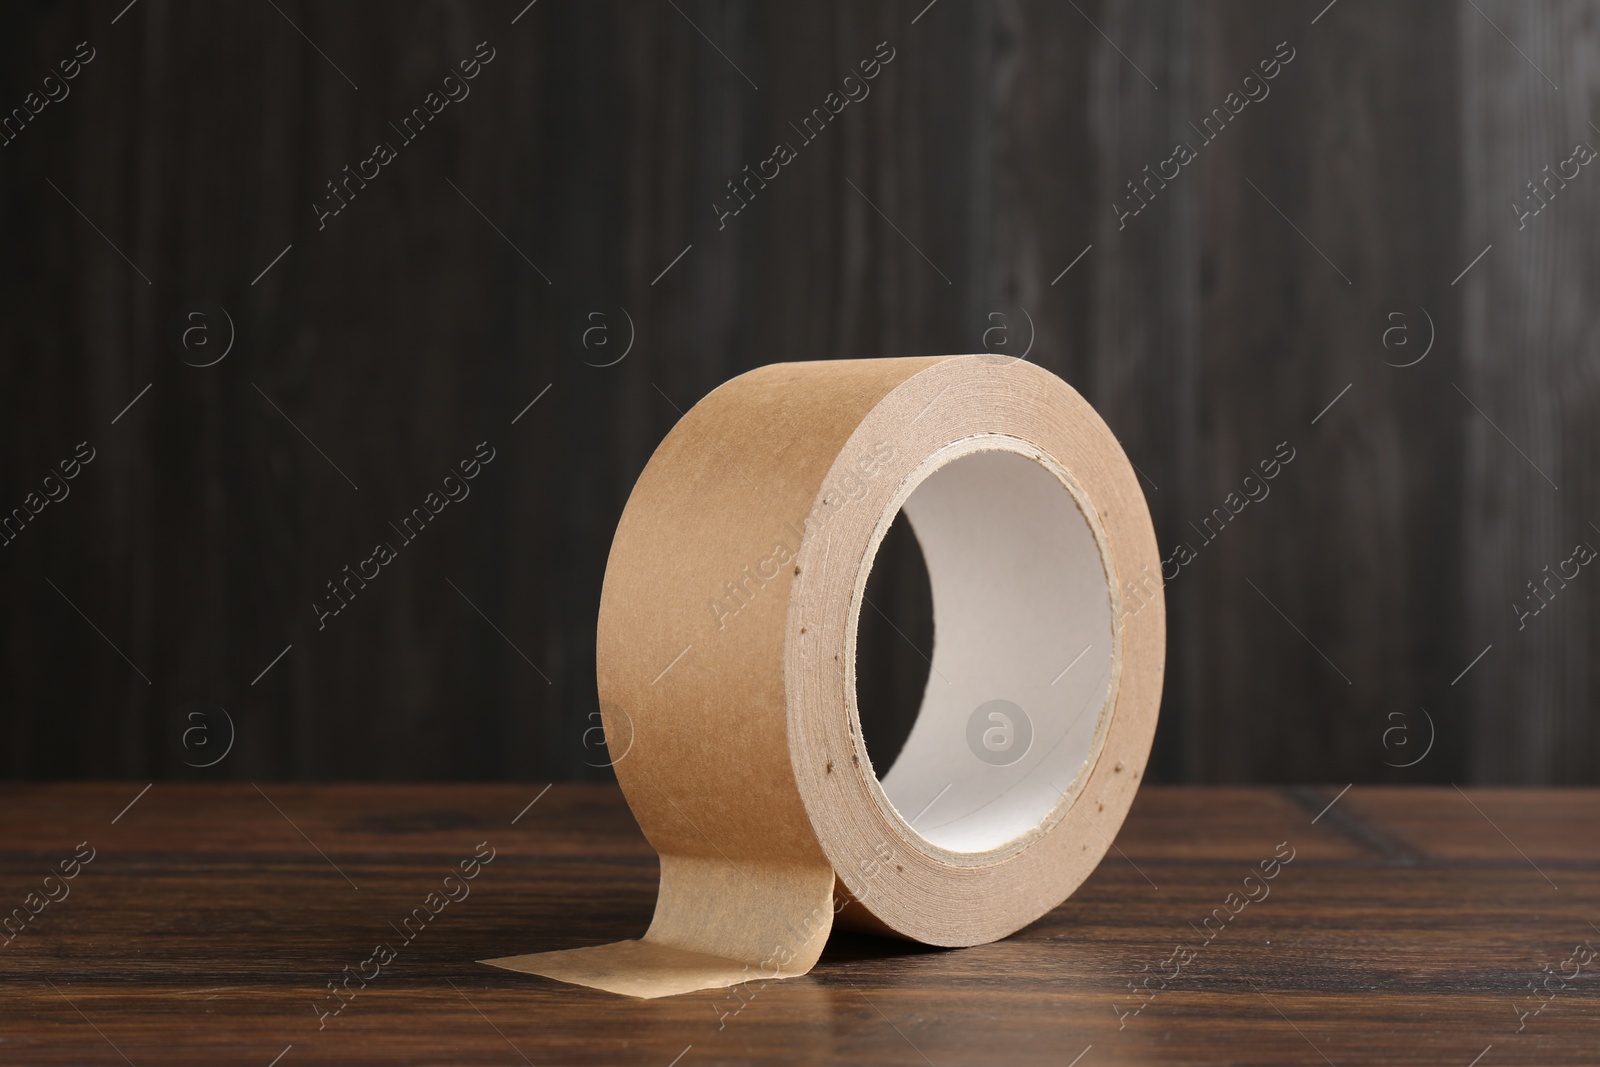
pixel 726 662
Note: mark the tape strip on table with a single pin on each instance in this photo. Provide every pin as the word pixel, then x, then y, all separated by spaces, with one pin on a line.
pixel 726 662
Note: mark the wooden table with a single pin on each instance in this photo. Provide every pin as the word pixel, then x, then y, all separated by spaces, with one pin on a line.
pixel 1408 928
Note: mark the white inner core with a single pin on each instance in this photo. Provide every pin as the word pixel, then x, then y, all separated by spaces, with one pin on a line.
pixel 1019 594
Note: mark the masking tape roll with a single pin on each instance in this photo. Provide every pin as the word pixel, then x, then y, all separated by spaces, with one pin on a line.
pixel 726 663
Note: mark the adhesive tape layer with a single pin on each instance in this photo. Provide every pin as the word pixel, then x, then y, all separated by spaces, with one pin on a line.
pixel 726 663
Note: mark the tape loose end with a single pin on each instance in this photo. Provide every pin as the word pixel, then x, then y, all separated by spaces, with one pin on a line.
pixel 642 969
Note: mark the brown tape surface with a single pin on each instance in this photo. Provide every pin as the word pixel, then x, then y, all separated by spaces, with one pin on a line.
pixel 726 652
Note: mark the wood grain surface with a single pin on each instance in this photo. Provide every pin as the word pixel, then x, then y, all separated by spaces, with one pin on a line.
pixel 1407 928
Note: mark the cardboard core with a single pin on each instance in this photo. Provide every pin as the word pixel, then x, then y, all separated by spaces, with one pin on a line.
pixel 1024 646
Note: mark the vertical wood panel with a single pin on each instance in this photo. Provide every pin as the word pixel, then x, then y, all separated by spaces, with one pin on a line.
pixel 1144 274
pixel 1530 335
pixel 1326 205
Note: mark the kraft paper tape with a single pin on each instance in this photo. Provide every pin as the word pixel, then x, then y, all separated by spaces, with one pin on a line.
pixel 727 674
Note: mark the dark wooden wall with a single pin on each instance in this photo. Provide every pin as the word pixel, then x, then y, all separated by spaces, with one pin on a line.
pixel 1323 634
